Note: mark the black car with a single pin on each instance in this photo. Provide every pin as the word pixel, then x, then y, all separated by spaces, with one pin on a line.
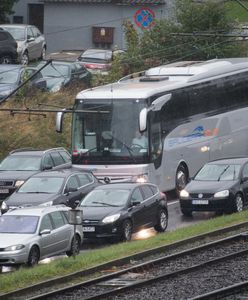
pixel 219 186
pixel 117 210
pixel 20 164
pixel 65 186
pixel 8 48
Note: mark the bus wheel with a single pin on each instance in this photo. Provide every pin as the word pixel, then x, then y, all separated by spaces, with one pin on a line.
pixel 181 178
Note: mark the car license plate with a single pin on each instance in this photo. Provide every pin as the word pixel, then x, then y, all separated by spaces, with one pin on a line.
pixel 88 228
pixel 204 202
pixel 4 191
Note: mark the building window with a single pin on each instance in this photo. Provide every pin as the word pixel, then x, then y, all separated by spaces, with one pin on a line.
pixel 18 19
pixel 103 36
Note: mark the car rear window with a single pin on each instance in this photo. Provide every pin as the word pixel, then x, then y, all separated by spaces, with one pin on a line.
pixel 147 191
pixel 57 158
pixel 65 155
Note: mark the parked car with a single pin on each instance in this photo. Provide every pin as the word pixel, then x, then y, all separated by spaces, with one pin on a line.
pixel 219 186
pixel 117 210
pixel 12 76
pixel 31 43
pixel 60 74
pixel 20 164
pixel 31 234
pixel 98 60
pixel 65 186
pixel 8 48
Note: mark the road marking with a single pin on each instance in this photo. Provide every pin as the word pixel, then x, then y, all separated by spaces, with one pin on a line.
pixel 174 202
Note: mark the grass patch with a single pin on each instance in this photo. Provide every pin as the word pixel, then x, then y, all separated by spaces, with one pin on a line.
pixel 28 276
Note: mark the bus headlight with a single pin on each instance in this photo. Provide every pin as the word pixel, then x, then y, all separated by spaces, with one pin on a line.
pixel 184 194
pixel 142 178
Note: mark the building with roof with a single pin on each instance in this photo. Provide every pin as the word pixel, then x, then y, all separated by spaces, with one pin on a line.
pixel 82 24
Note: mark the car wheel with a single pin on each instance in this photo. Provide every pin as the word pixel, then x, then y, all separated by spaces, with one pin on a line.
pixel 186 212
pixel 6 59
pixel 238 203
pixel 181 178
pixel 75 246
pixel 127 229
pixel 43 53
pixel 25 58
pixel 162 221
pixel 34 256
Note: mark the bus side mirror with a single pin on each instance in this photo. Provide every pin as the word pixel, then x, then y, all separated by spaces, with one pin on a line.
pixel 59 121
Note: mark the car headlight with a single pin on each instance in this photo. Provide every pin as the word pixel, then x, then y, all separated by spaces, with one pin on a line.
pixel 4 206
pixel 49 203
pixel 14 247
pixel 111 219
pixel 56 88
pixel 184 194
pixel 19 183
pixel 222 194
pixel 142 178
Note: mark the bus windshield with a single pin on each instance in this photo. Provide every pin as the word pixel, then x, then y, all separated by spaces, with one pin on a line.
pixel 107 131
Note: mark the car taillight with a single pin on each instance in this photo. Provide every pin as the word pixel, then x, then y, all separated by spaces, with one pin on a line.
pixel 74 152
pixel 96 66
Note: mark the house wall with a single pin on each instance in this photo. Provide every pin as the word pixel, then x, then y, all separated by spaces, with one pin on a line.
pixel 21 9
pixel 68 26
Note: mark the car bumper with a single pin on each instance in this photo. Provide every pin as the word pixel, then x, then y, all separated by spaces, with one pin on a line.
pixel 13 257
pixel 101 231
pixel 220 204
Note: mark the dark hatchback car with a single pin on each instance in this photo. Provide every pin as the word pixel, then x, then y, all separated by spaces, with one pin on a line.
pixel 20 164
pixel 61 74
pixel 8 48
pixel 65 186
pixel 220 186
pixel 115 211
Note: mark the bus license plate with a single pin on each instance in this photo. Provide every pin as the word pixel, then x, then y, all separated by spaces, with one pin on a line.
pixel 4 191
pixel 88 229
pixel 204 202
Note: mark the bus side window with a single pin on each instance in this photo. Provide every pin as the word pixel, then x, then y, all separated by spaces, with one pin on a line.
pixel 224 127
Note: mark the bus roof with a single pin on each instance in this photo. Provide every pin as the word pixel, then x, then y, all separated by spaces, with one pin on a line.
pixel 165 78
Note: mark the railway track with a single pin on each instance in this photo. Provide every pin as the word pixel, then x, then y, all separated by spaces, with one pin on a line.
pixel 139 269
pixel 153 276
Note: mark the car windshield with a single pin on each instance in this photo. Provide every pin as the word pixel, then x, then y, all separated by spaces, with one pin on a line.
pixel 9 76
pixel 48 185
pixel 96 56
pixel 21 163
pixel 218 172
pixel 18 224
pixel 106 198
pixel 55 70
pixel 17 33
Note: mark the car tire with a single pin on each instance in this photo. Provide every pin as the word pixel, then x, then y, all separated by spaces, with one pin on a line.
pixel 186 212
pixel 182 178
pixel 25 58
pixel 238 203
pixel 127 229
pixel 34 256
pixel 75 246
pixel 6 59
pixel 162 221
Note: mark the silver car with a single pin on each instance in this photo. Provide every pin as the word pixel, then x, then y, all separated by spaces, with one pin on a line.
pixel 28 235
pixel 31 43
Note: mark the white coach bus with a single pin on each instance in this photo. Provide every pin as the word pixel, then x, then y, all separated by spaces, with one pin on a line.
pixel 163 124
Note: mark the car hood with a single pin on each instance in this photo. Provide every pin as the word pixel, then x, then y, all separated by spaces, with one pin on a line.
pixel 196 186
pixel 98 213
pixel 16 175
pixel 11 239
pixel 5 89
pixel 26 199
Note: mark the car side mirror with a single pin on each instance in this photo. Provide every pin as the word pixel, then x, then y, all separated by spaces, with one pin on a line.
pixel 45 231
pixel 70 190
pixel 135 202
pixel 244 179
pixel 30 39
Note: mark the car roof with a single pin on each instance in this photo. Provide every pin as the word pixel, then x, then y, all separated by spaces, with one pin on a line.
pixel 35 152
pixel 36 210
pixel 121 186
pixel 8 67
pixel 61 172
pixel 234 160
pixel 16 25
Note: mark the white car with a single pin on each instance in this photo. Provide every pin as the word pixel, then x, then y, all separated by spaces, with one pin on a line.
pixel 31 43
pixel 28 235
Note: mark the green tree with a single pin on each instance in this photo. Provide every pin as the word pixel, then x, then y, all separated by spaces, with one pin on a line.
pixel 6 9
